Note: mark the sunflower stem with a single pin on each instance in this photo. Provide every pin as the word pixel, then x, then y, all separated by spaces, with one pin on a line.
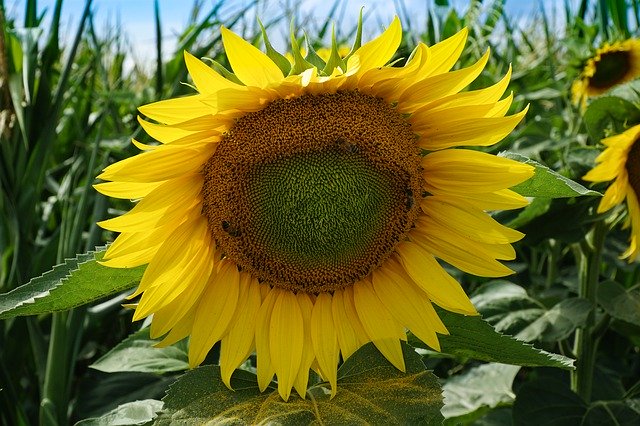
pixel 586 341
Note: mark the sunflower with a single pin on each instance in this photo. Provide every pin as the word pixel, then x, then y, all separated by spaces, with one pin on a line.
pixel 611 65
pixel 620 162
pixel 300 216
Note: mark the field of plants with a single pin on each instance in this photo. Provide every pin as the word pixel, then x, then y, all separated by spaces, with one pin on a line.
pixel 552 331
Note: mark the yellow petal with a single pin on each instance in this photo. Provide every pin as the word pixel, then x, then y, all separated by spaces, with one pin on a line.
pixel 474 97
pixel 438 86
pixel 286 339
pixel 244 99
pixel 169 202
pixel 215 311
pixel 468 221
pixel 466 170
pixel 445 54
pixel 325 341
pixel 171 111
pixel 378 51
pixel 441 288
pixel 503 199
pixel 467 255
pixel 631 253
pixel 170 270
pixel 204 77
pixel 165 162
pixel 193 282
pixel 348 338
pixel 249 64
pixel 308 354
pixel 265 368
pixel 410 306
pixel 476 132
pixel 181 330
pixel 126 190
pixel 379 324
pixel 614 194
pixel 238 344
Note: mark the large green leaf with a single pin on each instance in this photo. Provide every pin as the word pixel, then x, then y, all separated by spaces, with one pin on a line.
pixel 547 402
pixel 546 182
pixel 558 322
pixel 472 337
pixel 506 306
pixel 370 391
pixel 137 353
pixel 619 302
pixel 550 402
pixel 509 309
pixel 73 283
pixel 131 413
pixel 477 389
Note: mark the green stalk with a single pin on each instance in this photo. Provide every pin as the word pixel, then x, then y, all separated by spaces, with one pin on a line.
pixel 53 406
pixel 586 342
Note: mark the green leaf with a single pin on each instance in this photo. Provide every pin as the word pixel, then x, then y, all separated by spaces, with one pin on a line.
pixel 102 392
pixel 137 353
pixel 558 322
pixel 536 208
pixel 131 413
pixel 619 302
pixel 550 402
pixel 545 182
pixel 506 306
pixel 481 387
pixel 472 337
pixel 547 402
pixel 370 391
pixel 626 412
pixel 73 283
pixel 609 111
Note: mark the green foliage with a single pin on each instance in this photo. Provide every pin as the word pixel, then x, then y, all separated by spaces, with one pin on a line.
pixel 370 390
pixel 131 413
pixel 468 395
pixel 76 282
pixel 471 337
pixel 547 183
pixel 607 112
pixel 551 402
pixel 138 353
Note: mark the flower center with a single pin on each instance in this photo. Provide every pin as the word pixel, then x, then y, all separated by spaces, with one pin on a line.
pixel 312 193
pixel 611 69
pixel 633 167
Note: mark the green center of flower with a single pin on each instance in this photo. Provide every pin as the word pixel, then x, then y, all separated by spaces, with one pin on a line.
pixel 633 167
pixel 313 193
pixel 611 69
pixel 317 210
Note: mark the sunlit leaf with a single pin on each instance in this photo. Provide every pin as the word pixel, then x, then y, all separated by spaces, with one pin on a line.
pixel 370 391
pixel 76 282
pixel 472 337
pixel 131 413
pixel 558 322
pixel 546 182
pixel 481 387
pixel 137 353
pixel 619 302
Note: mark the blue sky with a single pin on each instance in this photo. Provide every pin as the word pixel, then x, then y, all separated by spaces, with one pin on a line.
pixel 137 20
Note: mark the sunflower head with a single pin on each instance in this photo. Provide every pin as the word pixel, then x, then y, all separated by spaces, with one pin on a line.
pixel 620 163
pixel 611 65
pixel 301 216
